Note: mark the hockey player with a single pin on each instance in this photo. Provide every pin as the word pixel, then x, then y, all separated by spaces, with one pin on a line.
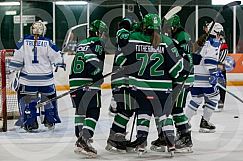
pixel 151 63
pixel 86 71
pixel 182 43
pixel 122 35
pixel 33 58
pixel 207 75
pixel 222 55
pixel 121 92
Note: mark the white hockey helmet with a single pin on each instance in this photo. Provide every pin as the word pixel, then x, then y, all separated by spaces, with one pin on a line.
pixel 38 28
pixel 217 29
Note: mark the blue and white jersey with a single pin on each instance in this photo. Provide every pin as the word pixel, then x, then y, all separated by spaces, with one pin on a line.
pixel 35 64
pixel 210 60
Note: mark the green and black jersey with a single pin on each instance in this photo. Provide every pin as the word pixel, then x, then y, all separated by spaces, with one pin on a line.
pixel 182 41
pixel 149 68
pixel 122 37
pixel 87 65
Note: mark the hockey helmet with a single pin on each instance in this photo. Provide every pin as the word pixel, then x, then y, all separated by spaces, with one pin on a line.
pixel 126 23
pixel 152 21
pixel 217 29
pixel 98 26
pixel 38 28
pixel 174 21
pixel 136 26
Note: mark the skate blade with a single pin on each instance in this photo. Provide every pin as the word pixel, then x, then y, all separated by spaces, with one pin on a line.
pixel 114 150
pixel 203 130
pixel 141 152
pixel 171 151
pixel 112 114
pixel 81 151
pixel 158 148
pixel 184 150
pixel 172 154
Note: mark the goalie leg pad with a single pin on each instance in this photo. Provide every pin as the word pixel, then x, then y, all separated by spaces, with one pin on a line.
pixel 50 110
pixel 51 114
pixel 28 111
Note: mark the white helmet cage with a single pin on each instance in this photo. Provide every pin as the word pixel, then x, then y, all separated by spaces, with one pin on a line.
pixel 38 28
pixel 217 29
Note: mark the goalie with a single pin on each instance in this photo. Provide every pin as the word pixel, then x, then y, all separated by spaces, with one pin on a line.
pixel 33 59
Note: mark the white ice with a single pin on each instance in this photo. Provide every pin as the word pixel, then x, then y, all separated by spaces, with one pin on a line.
pixel 224 145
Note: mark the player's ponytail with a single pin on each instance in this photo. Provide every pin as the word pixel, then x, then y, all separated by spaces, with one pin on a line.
pixel 155 39
pixel 35 39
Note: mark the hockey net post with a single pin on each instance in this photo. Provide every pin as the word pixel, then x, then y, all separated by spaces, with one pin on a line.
pixel 9 103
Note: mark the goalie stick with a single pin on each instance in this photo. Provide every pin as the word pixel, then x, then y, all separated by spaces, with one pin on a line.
pixel 76 89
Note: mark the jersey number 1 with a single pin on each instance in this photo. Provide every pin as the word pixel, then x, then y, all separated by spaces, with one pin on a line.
pixel 35 56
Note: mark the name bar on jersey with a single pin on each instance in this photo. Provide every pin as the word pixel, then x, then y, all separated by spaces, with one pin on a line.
pixel 38 43
pixel 149 49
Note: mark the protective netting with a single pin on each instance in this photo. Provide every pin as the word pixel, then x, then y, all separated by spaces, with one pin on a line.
pixel 9 97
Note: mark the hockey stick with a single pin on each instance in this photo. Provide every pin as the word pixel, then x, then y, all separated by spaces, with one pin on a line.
pixel 68 35
pixel 232 94
pixel 66 41
pixel 139 10
pixel 178 88
pixel 231 4
pixel 76 89
pixel 172 12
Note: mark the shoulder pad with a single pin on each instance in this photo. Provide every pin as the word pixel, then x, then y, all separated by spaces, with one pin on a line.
pixel 183 36
pixel 166 39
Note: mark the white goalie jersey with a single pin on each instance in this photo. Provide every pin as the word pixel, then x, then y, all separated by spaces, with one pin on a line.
pixel 210 60
pixel 35 63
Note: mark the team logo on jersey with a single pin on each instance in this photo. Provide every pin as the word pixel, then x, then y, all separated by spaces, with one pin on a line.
pixel 229 63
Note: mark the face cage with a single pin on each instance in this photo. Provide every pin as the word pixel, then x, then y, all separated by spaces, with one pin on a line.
pixel 40 31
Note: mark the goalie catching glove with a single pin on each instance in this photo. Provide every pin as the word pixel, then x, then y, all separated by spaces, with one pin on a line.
pixel 60 65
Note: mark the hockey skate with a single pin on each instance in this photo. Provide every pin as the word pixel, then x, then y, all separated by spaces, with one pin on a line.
pixel 50 126
pixel 116 142
pixel 84 147
pixel 184 143
pixel 112 111
pixel 158 145
pixel 113 107
pixel 171 150
pixel 206 127
pixel 31 128
pixel 138 146
pixel 220 107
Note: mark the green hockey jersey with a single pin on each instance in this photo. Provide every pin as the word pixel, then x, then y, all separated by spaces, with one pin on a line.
pixel 182 41
pixel 87 65
pixel 146 67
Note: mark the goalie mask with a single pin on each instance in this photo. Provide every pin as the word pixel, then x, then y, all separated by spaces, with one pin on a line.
pixel 216 30
pixel 38 28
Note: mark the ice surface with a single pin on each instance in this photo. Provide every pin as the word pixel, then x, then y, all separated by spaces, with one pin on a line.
pixel 224 145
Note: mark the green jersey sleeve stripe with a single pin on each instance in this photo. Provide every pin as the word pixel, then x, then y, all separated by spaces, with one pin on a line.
pixel 176 69
pixel 92 59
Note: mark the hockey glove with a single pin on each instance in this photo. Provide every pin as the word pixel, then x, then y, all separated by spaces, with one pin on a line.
pixel 216 77
pixel 60 65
